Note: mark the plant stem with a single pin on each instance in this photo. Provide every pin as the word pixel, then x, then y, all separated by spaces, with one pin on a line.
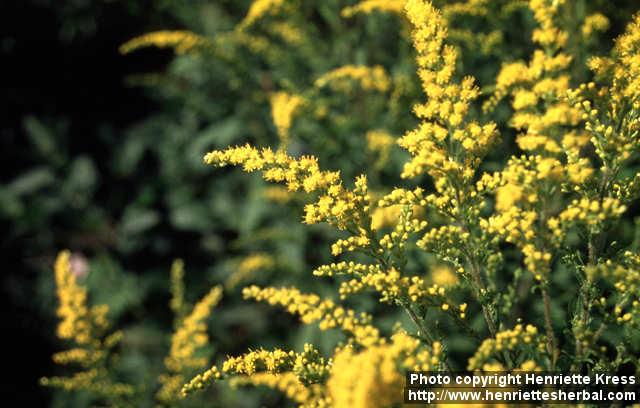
pixel 552 343
pixel 477 278
pixel 417 321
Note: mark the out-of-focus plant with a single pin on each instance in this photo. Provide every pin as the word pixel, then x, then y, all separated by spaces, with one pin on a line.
pixel 506 205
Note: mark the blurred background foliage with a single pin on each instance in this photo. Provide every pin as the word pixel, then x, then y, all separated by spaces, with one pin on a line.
pixel 102 154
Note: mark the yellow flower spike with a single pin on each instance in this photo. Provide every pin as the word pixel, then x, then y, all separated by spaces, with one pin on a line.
pixel 258 10
pixel 73 303
pixel 189 337
pixel 370 6
pixel 447 104
pixel 85 326
pixel 369 78
pixel 182 42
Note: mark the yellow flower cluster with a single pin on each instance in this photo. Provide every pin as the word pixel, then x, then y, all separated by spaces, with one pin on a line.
pixel 201 380
pixel 443 275
pixel 311 308
pixel 522 194
pixel 518 339
pixel 380 142
pixel 360 241
pixel 303 173
pixel 338 206
pixel 343 78
pixel 260 9
pixel 444 113
pixel 86 327
pixel 545 12
pixel 260 360
pixel 182 42
pixel 309 366
pixel 594 23
pixel 391 285
pixel 190 336
pixel 247 266
pixel 627 49
pixel 370 6
pixel 625 277
pixel 374 376
pixel 309 369
pixel 288 383
pixel 611 111
pixel 448 145
pixel 406 225
pixel 283 109
pixel 76 319
pixel 383 217
pixel 592 213
pixel 343 209
pixel 446 240
pixel 82 356
pixel 544 80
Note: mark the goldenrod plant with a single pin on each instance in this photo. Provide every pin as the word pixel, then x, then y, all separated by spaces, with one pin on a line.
pixel 85 327
pixel 92 349
pixel 460 201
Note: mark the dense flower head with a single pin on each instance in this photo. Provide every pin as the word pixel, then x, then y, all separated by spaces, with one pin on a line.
pixel 541 111
pixel 545 12
pixel 444 114
pixel 627 51
pixel 73 310
pixel 374 376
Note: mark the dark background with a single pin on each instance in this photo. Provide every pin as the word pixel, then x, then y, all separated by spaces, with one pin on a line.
pixel 59 62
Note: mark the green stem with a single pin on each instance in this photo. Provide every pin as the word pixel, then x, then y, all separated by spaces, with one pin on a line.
pixel 552 343
pixel 480 287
